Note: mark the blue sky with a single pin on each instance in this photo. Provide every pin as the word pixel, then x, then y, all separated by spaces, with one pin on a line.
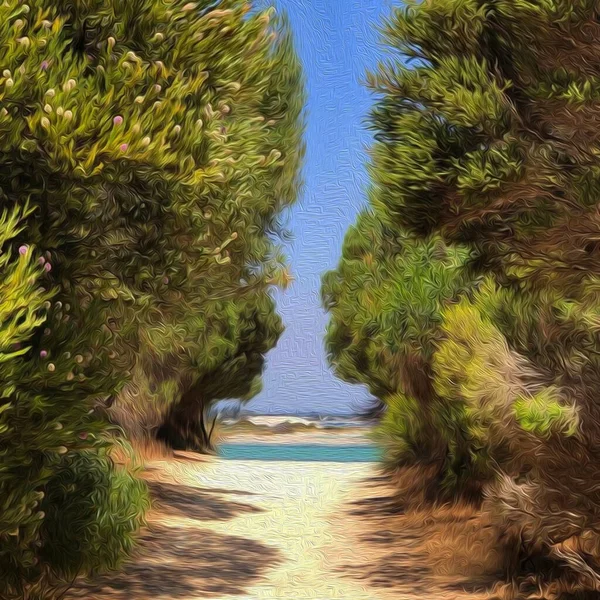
pixel 337 41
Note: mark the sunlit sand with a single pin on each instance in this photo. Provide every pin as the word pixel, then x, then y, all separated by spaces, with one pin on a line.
pixel 255 529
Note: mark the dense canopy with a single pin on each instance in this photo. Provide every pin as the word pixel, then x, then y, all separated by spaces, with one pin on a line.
pixel 485 147
pixel 147 149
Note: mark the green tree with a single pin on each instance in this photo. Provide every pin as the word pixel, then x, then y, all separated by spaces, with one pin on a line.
pixel 148 149
pixel 385 300
pixel 65 508
pixel 228 365
pixel 483 139
pixel 486 136
pixel 158 161
pixel 246 161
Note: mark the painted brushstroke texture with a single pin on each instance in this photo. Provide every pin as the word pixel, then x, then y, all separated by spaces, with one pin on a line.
pixel 150 152
pixel 336 41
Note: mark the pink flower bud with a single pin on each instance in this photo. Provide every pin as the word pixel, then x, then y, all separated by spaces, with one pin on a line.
pixel 47 267
pixel 44 66
pixel 41 260
pixel 23 250
pixel 165 280
pixel 43 353
pixel 83 435
pixel 118 120
pixel 123 147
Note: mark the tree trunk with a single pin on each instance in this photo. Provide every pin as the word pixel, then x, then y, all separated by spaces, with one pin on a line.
pixel 417 382
pixel 184 428
pixel 202 427
pixel 212 427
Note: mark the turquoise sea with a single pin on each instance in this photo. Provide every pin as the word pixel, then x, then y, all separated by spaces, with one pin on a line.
pixel 301 452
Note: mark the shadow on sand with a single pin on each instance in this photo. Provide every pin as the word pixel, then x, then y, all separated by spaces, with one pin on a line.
pixel 187 561
pixel 395 557
pixel 448 553
pixel 199 504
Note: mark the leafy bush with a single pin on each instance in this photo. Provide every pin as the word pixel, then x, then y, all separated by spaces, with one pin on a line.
pixel 147 165
pixel 386 300
pixel 486 139
pixel 92 511
pixel 47 430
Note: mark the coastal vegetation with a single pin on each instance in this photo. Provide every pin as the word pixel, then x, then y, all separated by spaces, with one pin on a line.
pixel 467 297
pixel 147 150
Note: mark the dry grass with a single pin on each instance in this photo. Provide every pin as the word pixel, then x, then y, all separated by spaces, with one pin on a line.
pixel 141 452
pixel 458 541
pixel 415 549
pixel 455 548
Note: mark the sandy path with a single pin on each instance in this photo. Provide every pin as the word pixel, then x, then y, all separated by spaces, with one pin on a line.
pixel 250 530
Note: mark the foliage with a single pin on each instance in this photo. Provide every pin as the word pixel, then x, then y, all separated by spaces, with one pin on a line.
pixel 241 139
pixel 386 300
pixel 489 138
pixel 157 159
pixel 147 149
pixel 486 138
pixel 92 513
pixel 543 413
pixel 227 365
pixel 49 434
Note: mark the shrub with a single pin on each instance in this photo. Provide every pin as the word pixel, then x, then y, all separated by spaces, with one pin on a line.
pixel 486 139
pixel 386 300
pixel 92 513
pixel 48 433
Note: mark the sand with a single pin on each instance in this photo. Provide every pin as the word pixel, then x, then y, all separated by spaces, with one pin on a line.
pixel 311 436
pixel 250 529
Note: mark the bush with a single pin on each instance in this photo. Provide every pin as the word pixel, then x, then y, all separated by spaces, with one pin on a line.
pixel 486 141
pixel 386 300
pixel 48 430
pixel 92 511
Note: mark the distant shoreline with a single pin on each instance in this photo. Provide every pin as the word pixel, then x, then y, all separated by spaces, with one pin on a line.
pixel 316 420
pixel 292 429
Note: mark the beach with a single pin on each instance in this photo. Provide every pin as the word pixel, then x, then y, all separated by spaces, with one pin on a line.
pixel 257 529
